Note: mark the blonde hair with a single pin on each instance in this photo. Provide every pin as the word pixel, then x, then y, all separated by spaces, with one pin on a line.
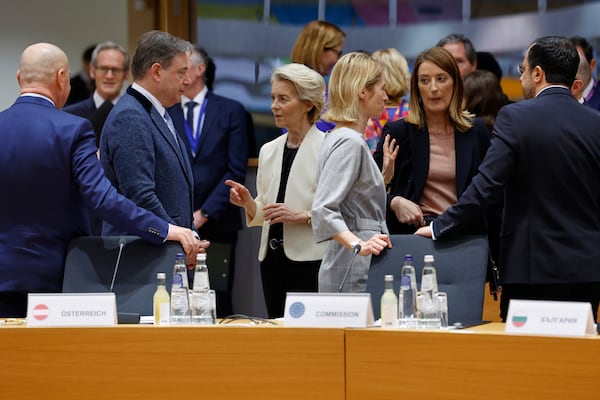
pixel 315 37
pixel 395 72
pixel 351 74
pixel 309 84
pixel 462 120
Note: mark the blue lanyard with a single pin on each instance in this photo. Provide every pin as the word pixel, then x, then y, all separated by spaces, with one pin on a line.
pixel 190 134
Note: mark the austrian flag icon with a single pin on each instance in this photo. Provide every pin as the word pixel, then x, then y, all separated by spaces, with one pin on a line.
pixel 40 312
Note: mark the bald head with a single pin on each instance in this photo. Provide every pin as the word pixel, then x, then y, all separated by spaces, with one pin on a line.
pixel 44 69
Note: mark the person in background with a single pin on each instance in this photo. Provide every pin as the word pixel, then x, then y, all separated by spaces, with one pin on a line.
pixel 213 129
pixel 109 70
pixel 397 83
pixel 578 85
pixel 349 204
pixel 57 152
pixel 591 92
pixel 440 146
pixel 462 50
pixel 319 46
pixel 82 85
pixel 483 96
pixel 285 183
pixel 544 161
pixel 140 150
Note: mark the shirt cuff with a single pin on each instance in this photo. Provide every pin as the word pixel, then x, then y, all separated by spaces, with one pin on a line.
pixel 432 232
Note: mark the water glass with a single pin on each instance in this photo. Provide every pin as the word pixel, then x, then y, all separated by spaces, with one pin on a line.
pixel 442 304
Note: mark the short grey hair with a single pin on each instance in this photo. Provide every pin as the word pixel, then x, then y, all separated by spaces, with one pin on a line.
pixel 460 38
pixel 108 45
pixel 156 47
pixel 309 84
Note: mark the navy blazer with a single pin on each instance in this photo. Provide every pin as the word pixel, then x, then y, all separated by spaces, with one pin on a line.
pixel 412 164
pixel 545 160
pixel 87 109
pixel 145 162
pixel 51 178
pixel 222 154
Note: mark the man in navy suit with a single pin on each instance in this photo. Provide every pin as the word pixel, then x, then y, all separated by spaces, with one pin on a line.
pixel 590 91
pixel 214 130
pixel 545 160
pixel 109 69
pixel 139 148
pixel 51 177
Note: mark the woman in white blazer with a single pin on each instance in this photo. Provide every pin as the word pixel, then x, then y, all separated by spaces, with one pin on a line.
pixel 285 184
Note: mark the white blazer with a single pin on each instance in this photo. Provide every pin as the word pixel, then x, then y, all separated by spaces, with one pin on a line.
pixel 298 240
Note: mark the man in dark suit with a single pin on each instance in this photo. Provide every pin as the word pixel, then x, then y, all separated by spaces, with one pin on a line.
pixel 545 160
pixel 215 133
pixel 51 175
pixel 82 85
pixel 590 91
pixel 141 154
pixel 109 69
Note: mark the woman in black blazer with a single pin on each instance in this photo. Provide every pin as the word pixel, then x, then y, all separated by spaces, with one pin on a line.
pixel 437 147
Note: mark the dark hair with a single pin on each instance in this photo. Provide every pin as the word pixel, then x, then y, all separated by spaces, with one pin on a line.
pixel 458 38
pixel 486 61
pixel 588 50
pixel 156 47
pixel 483 96
pixel 87 53
pixel 557 56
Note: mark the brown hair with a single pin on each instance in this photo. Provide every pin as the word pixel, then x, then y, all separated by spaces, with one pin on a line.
pixel 315 37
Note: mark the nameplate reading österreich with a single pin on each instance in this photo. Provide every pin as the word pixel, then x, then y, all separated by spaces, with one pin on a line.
pixel 553 318
pixel 71 309
pixel 325 310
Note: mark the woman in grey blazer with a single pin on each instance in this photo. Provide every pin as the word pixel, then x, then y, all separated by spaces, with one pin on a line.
pixel 349 204
pixel 285 183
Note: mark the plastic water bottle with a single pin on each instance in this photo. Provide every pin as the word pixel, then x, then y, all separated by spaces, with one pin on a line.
pixel 180 310
pixel 407 296
pixel 200 295
pixel 389 304
pixel 430 316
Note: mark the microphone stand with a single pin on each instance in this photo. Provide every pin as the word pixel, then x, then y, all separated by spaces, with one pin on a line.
pixel 356 250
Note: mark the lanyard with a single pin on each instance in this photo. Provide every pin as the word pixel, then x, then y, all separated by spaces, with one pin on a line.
pixel 190 134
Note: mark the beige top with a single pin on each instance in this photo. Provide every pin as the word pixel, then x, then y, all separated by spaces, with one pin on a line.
pixel 439 192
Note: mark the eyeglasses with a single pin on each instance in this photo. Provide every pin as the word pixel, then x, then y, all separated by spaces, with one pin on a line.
pixel 105 70
pixel 521 68
pixel 336 51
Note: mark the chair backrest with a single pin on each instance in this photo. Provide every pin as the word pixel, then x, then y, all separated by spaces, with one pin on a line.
pixel 91 261
pixel 461 265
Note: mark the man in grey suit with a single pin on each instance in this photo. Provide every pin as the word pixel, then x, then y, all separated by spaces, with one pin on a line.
pixel 141 154
pixel 544 161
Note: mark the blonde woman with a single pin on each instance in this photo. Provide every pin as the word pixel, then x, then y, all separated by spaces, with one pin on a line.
pixel 285 183
pixel 349 204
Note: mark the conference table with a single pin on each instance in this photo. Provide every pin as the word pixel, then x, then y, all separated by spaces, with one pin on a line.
pixel 276 362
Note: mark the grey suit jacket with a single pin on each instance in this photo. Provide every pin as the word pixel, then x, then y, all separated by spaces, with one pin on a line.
pixel 350 196
pixel 145 162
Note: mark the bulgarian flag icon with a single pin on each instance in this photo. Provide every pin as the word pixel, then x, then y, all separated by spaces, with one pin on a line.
pixel 519 320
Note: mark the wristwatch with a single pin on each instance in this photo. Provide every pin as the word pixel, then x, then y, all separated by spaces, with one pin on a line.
pixel 354 244
pixel 205 215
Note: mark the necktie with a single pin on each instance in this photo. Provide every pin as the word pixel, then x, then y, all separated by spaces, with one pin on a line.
pixel 190 115
pixel 169 122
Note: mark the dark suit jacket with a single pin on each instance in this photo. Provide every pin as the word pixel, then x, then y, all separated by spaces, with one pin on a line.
pixel 594 101
pixel 50 177
pixel 87 109
pixel 545 160
pixel 222 154
pixel 80 89
pixel 412 165
pixel 142 158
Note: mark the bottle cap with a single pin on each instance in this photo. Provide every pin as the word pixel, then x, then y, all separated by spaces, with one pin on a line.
pixel 180 256
pixel 389 278
pixel 161 275
pixel 408 257
pixel 201 257
pixel 428 258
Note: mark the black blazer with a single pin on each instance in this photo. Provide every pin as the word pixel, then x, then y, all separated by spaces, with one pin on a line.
pixel 412 165
pixel 544 160
pixel 87 109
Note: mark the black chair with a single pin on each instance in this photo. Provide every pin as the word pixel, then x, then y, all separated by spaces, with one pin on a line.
pixel 461 265
pixel 91 261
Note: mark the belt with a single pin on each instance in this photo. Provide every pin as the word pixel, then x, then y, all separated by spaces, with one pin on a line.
pixel 274 244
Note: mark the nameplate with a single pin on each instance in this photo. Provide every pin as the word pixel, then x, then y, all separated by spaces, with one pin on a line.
pixel 345 310
pixel 71 309
pixel 554 318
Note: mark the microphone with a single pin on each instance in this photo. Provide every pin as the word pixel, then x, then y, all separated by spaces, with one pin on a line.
pixel 356 249
pixel 122 243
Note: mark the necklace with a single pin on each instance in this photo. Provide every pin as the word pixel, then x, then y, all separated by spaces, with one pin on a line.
pixel 438 131
pixel 292 146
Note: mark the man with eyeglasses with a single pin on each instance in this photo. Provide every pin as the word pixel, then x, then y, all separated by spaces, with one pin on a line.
pixel 109 70
pixel 544 162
